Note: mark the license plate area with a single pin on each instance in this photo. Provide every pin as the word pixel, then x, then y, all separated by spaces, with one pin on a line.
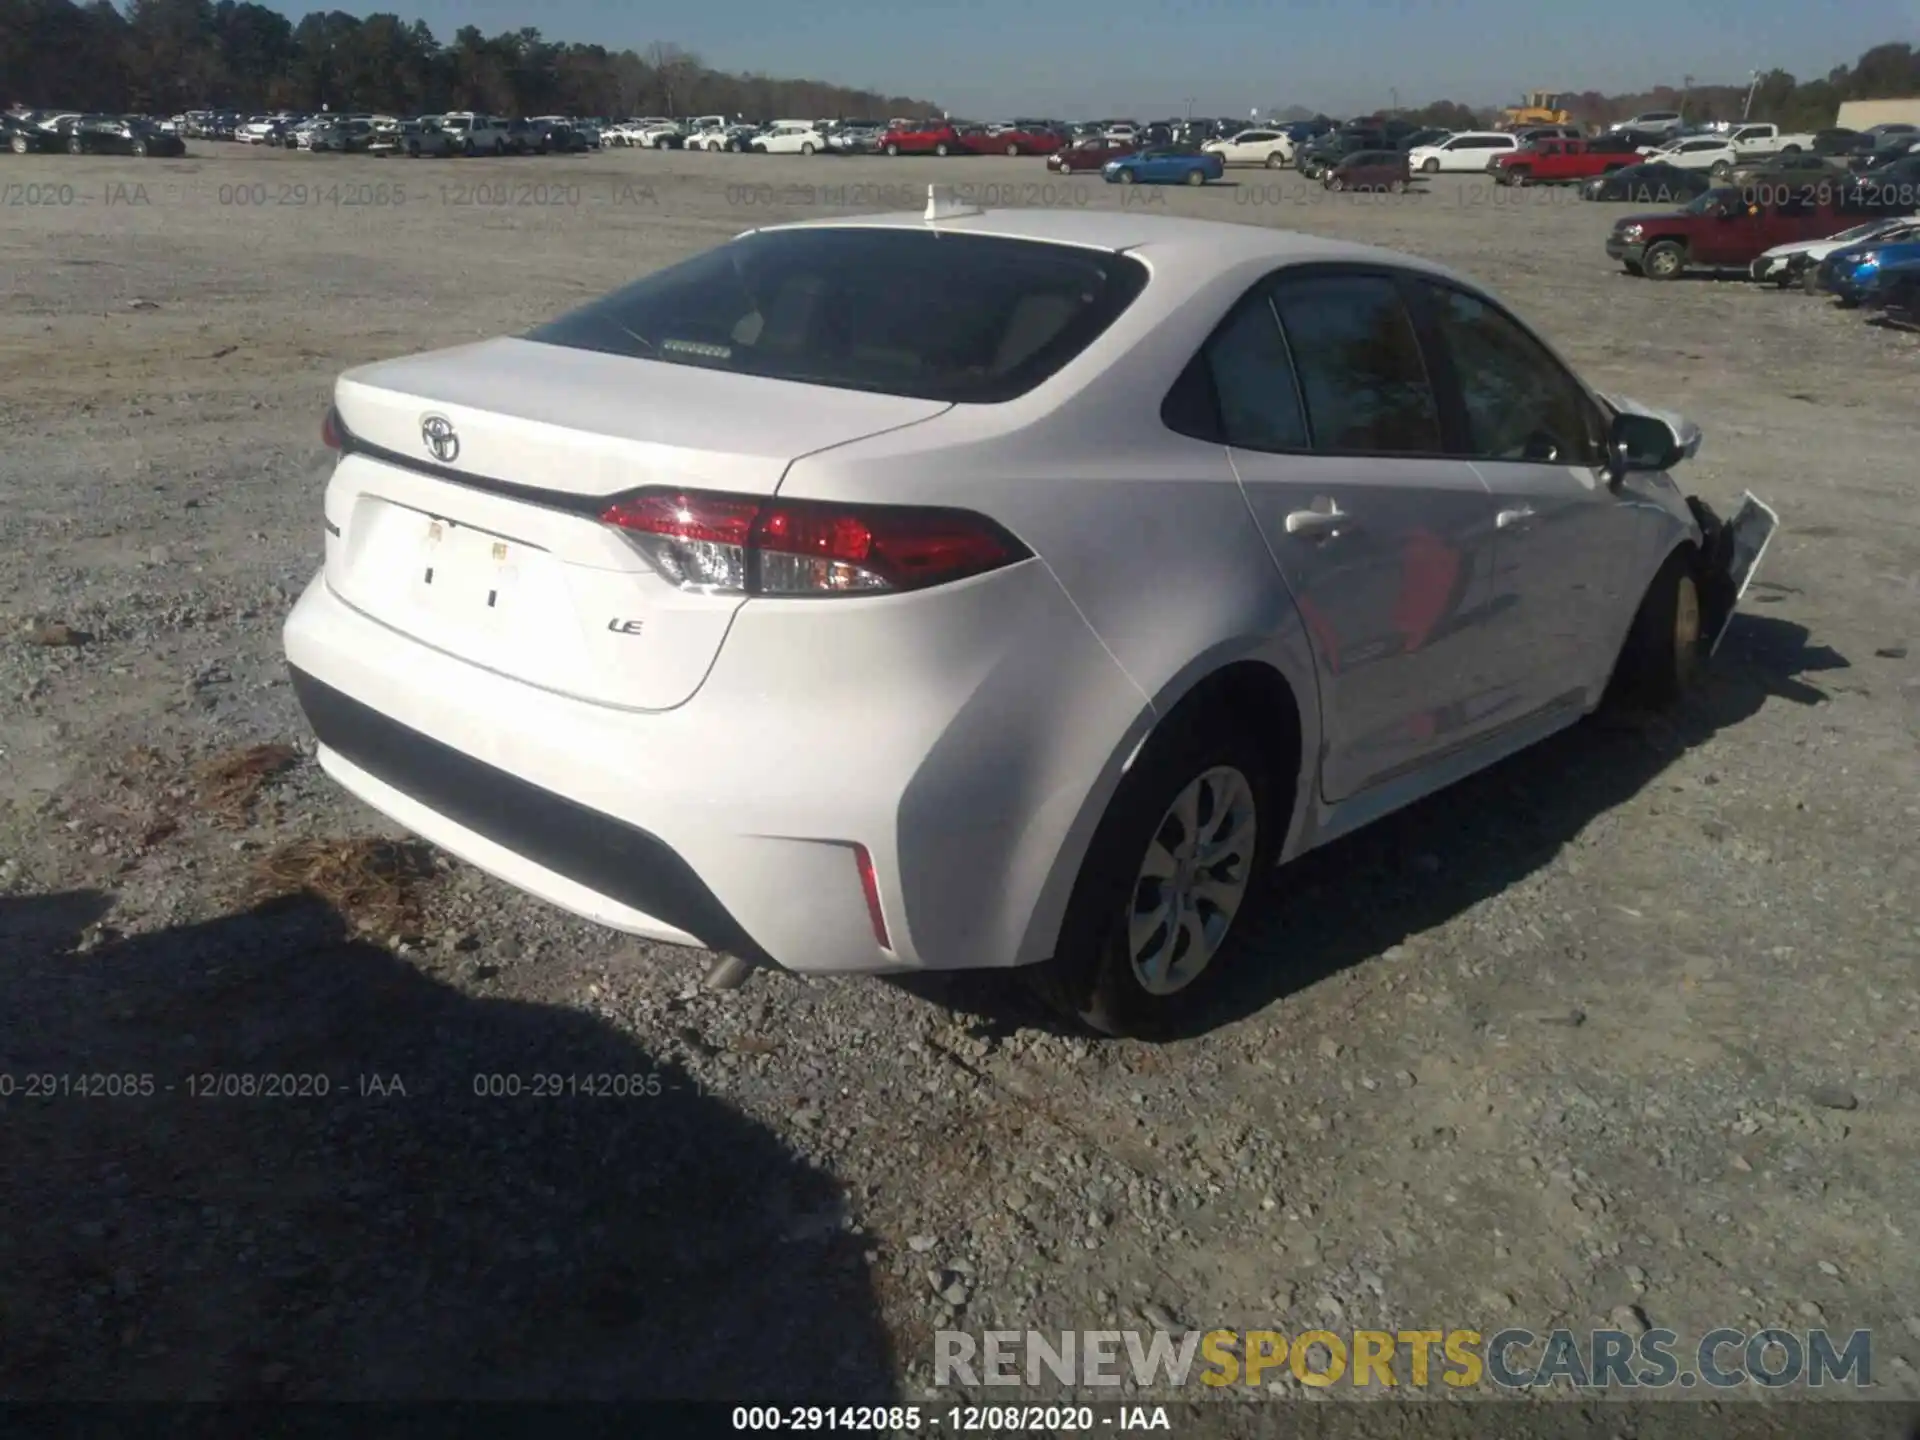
pixel 468 574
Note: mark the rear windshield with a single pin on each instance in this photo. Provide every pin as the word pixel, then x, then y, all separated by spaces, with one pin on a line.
pixel 919 313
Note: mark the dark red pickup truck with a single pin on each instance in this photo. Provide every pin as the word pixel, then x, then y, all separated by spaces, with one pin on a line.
pixel 1726 229
pixel 1551 162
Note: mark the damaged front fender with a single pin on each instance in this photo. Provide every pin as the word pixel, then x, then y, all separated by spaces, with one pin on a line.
pixel 1728 558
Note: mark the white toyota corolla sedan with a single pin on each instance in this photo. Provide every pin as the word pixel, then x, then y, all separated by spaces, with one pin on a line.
pixel 983 588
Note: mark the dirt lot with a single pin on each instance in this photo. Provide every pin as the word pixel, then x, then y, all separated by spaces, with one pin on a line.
pixel 1629 1022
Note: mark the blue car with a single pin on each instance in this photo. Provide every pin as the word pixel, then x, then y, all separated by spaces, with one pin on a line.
pixel 1894 289
pixel 1847 273
pixel 1164 166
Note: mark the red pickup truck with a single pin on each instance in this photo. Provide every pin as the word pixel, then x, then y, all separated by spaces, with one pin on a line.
pixel 1553 162
pixel 1725 229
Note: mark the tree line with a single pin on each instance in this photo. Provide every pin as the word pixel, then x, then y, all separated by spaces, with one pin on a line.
pixel 163 57
pixel 1885 72
pixel 166 56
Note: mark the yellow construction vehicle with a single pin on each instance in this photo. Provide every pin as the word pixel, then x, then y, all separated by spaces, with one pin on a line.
pixel 1539 107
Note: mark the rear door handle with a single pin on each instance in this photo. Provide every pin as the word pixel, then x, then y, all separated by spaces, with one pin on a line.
pixel 1320 524
pixel 1513 519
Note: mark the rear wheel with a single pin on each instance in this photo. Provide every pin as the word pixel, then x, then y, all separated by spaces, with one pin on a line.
pixel 1721 169
pixel 941 149
pixel 1666 646
pixel 806 147
pixel 19 144
pixel 1276 161
pixel 1013 149
pixel 1664 260
pixel 1398 187
pixel 1810 280
pixel 1194 177
pixel 1334 182
pixel 1125 177
pixel 1155 913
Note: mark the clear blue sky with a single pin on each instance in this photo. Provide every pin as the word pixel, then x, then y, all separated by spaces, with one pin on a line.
pixel 1086 58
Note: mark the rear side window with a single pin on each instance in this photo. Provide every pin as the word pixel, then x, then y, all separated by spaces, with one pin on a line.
pixel 920 313
pixel 1253 381
pixel 1361 372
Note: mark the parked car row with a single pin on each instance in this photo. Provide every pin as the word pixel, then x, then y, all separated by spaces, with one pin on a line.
pixel 31 132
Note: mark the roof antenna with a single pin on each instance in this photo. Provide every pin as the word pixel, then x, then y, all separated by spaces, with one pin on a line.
pixel 942 204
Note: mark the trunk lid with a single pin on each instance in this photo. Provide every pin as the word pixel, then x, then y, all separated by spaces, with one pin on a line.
pixel 465 511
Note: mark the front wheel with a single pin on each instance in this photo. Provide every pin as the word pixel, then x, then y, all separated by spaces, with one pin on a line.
pixel 1334 182
pixel 1432 167
pixel 1154 914
pixel 1194 177
pixel 1721 169
pixel 1013 149
pixel 1664 260
pixel 74 147
pixel 1276 161
pixel 941 149
pixel 1125 177
pixel 1398 187
pixel 893 149
pixel 1666 646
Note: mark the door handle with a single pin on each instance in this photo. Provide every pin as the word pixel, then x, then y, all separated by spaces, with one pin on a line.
pixel 1320 524
pixel 1513 519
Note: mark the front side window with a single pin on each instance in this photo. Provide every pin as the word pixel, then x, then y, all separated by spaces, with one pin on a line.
pixel 1521 404
pixel 936 316
pixel 1361 372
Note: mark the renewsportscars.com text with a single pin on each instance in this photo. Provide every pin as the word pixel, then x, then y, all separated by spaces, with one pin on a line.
pixel 1512 1359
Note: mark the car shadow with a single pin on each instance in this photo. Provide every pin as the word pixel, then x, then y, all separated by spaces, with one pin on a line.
pixel 380 1222
pixel 1344 904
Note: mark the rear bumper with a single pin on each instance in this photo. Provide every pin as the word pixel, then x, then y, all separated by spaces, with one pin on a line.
pixel 966 742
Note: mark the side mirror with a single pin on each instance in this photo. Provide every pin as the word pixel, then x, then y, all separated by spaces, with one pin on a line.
pixel 1640 443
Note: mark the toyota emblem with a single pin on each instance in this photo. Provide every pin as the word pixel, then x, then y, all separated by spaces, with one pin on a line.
pixel 438 433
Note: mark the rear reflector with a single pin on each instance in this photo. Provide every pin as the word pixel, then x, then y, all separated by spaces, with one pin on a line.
pixel 746 545
pixel 870 886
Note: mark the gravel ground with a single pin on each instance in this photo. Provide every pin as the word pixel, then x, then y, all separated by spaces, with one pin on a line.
pixel 1628 1022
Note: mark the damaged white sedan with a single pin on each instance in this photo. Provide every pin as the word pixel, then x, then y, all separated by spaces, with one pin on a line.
pixel 978 588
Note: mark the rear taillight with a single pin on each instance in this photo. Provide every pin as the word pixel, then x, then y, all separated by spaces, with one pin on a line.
pixel 332 433
pixel 740 544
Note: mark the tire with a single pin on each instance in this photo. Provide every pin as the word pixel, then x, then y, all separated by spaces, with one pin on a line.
pixel 74 147
pixel 1194 177
pixel 1334 182
pixel 892 149
pixel 1013 149
pixel 1276 161
pixel 1666 646
pixel 942 150
pixel 1125 177
pixel 1790 150
pixel 1431 167
pixel 467 147
pixel 1664 260
pixel 1203 777
pixel 1397 187
pixel 1810 279
pixel 19 145
pixel 1721 169
pixel 806 147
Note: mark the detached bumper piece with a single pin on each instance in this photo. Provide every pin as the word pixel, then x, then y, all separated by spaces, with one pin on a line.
pixel 1730 552
pixel 592 849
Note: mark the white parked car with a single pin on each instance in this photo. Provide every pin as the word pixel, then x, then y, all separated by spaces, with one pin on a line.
pixel 257 129
pixel 1653 122
pixel 634 132
pixel 1785 264
pixel 1710 153
pixel 1271 148
pixel 895 660
pixel 476 134
pixel 1469 150
pixel 790 137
